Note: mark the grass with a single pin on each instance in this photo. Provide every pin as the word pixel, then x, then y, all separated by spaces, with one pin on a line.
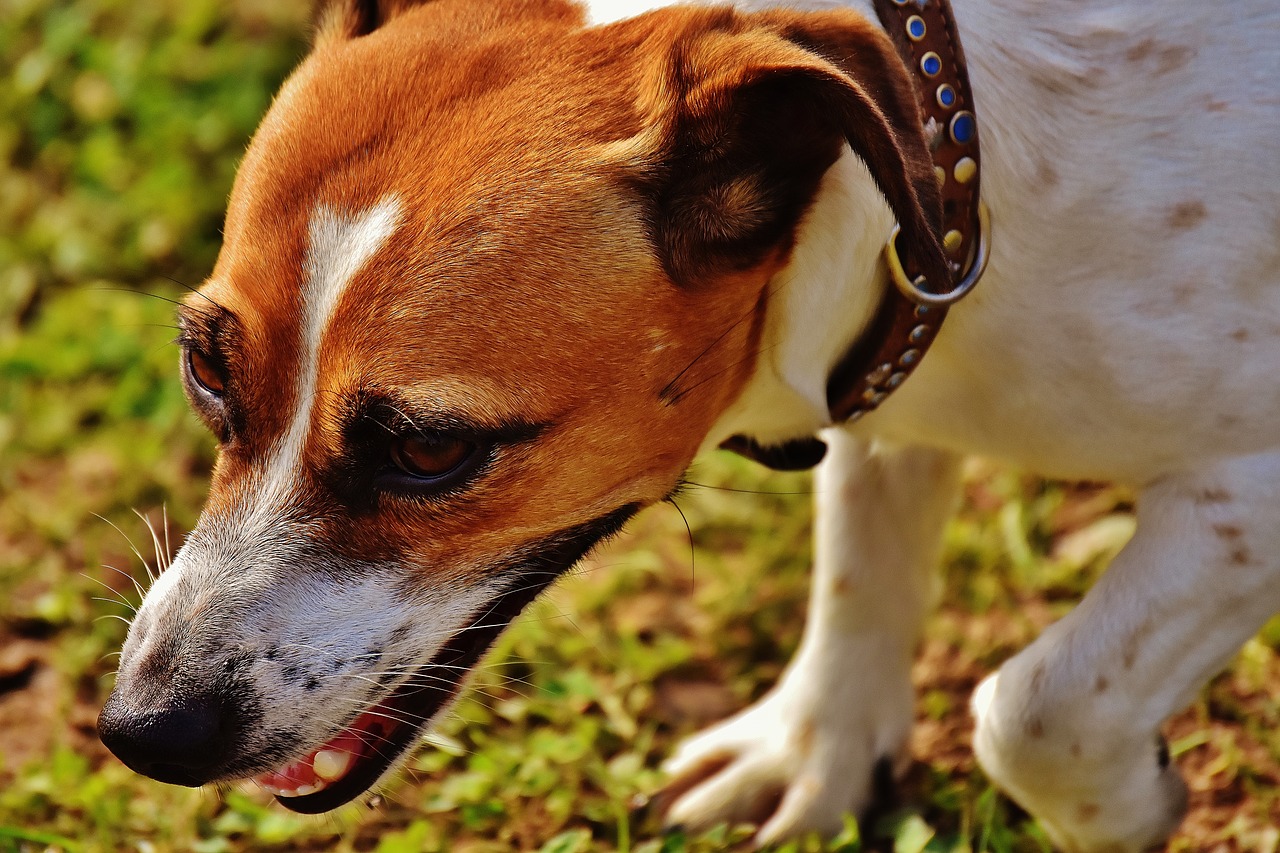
pixel 122 123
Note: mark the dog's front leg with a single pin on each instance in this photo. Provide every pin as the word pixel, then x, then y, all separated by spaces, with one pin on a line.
pixel 805 754
pixel 1069 727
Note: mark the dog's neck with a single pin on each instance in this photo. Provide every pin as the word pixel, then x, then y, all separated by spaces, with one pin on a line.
pixel 817 306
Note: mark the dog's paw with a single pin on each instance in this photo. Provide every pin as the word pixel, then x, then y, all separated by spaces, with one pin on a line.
pixel 791 764
pixel 1089 796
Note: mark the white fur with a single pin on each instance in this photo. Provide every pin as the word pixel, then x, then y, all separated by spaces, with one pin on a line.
pixel 1128 329
pixel 339 246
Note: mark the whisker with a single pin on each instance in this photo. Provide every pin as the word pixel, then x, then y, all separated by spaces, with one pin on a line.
pixel 109 601
pixel 693 564
pixel 676 398
pixel 369 417
pixel 155 540
pixel 137 586
pixel 206 297
pixel 132 547
pixel 428 679
pixel 137 292
pixel 168 548
pixel 117 597
pixel 401 413
pixel 668 393
pixel 377 713
pixel 666 390
pixel 747 491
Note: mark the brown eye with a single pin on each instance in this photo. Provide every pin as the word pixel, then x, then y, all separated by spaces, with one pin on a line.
pixel 430 458
pixel 206 375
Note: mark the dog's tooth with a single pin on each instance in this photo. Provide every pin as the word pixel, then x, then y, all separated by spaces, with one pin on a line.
pixel 303 790
pixel 330 764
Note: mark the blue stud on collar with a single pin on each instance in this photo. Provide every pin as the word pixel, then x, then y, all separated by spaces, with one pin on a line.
pixel 946 96
pixel 963 127
pixel 915 27
pixel 930 64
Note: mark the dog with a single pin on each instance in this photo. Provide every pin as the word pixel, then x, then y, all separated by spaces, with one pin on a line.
pixel 495 271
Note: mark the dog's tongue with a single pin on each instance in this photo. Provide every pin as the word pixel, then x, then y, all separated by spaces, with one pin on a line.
pixel 330 762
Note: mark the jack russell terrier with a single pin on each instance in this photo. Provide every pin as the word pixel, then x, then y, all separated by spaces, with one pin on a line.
pixel 494 271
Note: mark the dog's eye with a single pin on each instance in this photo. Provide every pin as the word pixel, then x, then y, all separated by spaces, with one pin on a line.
pixel 205 373
pixel 431 458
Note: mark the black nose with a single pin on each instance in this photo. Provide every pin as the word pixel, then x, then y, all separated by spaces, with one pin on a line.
pixel 179 741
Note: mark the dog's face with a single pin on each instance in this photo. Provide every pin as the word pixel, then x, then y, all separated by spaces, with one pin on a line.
pixel 488 279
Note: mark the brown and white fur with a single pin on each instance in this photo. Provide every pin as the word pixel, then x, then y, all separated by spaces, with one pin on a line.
pixel 589 243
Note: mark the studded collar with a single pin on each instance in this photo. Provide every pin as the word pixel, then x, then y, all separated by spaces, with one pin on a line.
pixel 910 314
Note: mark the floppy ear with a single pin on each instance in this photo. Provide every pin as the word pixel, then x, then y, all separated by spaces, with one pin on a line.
pixel 345 19
pixel 752 110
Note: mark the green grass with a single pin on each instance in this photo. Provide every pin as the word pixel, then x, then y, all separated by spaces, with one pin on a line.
pixel 122 124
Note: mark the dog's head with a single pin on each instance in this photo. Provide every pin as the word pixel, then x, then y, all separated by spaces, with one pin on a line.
pixel 489 277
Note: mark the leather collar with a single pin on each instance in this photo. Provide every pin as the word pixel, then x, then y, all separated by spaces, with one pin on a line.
pixel 910 314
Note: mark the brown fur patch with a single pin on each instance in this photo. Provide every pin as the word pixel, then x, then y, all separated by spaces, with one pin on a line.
pixel 1046 175
pixel 1036 682
pixel 1167 57
pixel 1186 214
pixel 804 738
pixel 1140 51
pixel 1173 57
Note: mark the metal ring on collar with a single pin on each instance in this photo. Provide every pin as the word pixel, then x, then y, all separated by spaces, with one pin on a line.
pixel 912 289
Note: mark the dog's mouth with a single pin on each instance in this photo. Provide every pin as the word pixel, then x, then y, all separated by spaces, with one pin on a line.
pixel 344 767
pixel 352 761
pixel 349 763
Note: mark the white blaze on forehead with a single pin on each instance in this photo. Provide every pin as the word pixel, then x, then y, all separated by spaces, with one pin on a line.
pixel 340 244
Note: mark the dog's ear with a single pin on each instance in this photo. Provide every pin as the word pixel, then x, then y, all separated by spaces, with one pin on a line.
pixel 747 113
pixel 345 19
